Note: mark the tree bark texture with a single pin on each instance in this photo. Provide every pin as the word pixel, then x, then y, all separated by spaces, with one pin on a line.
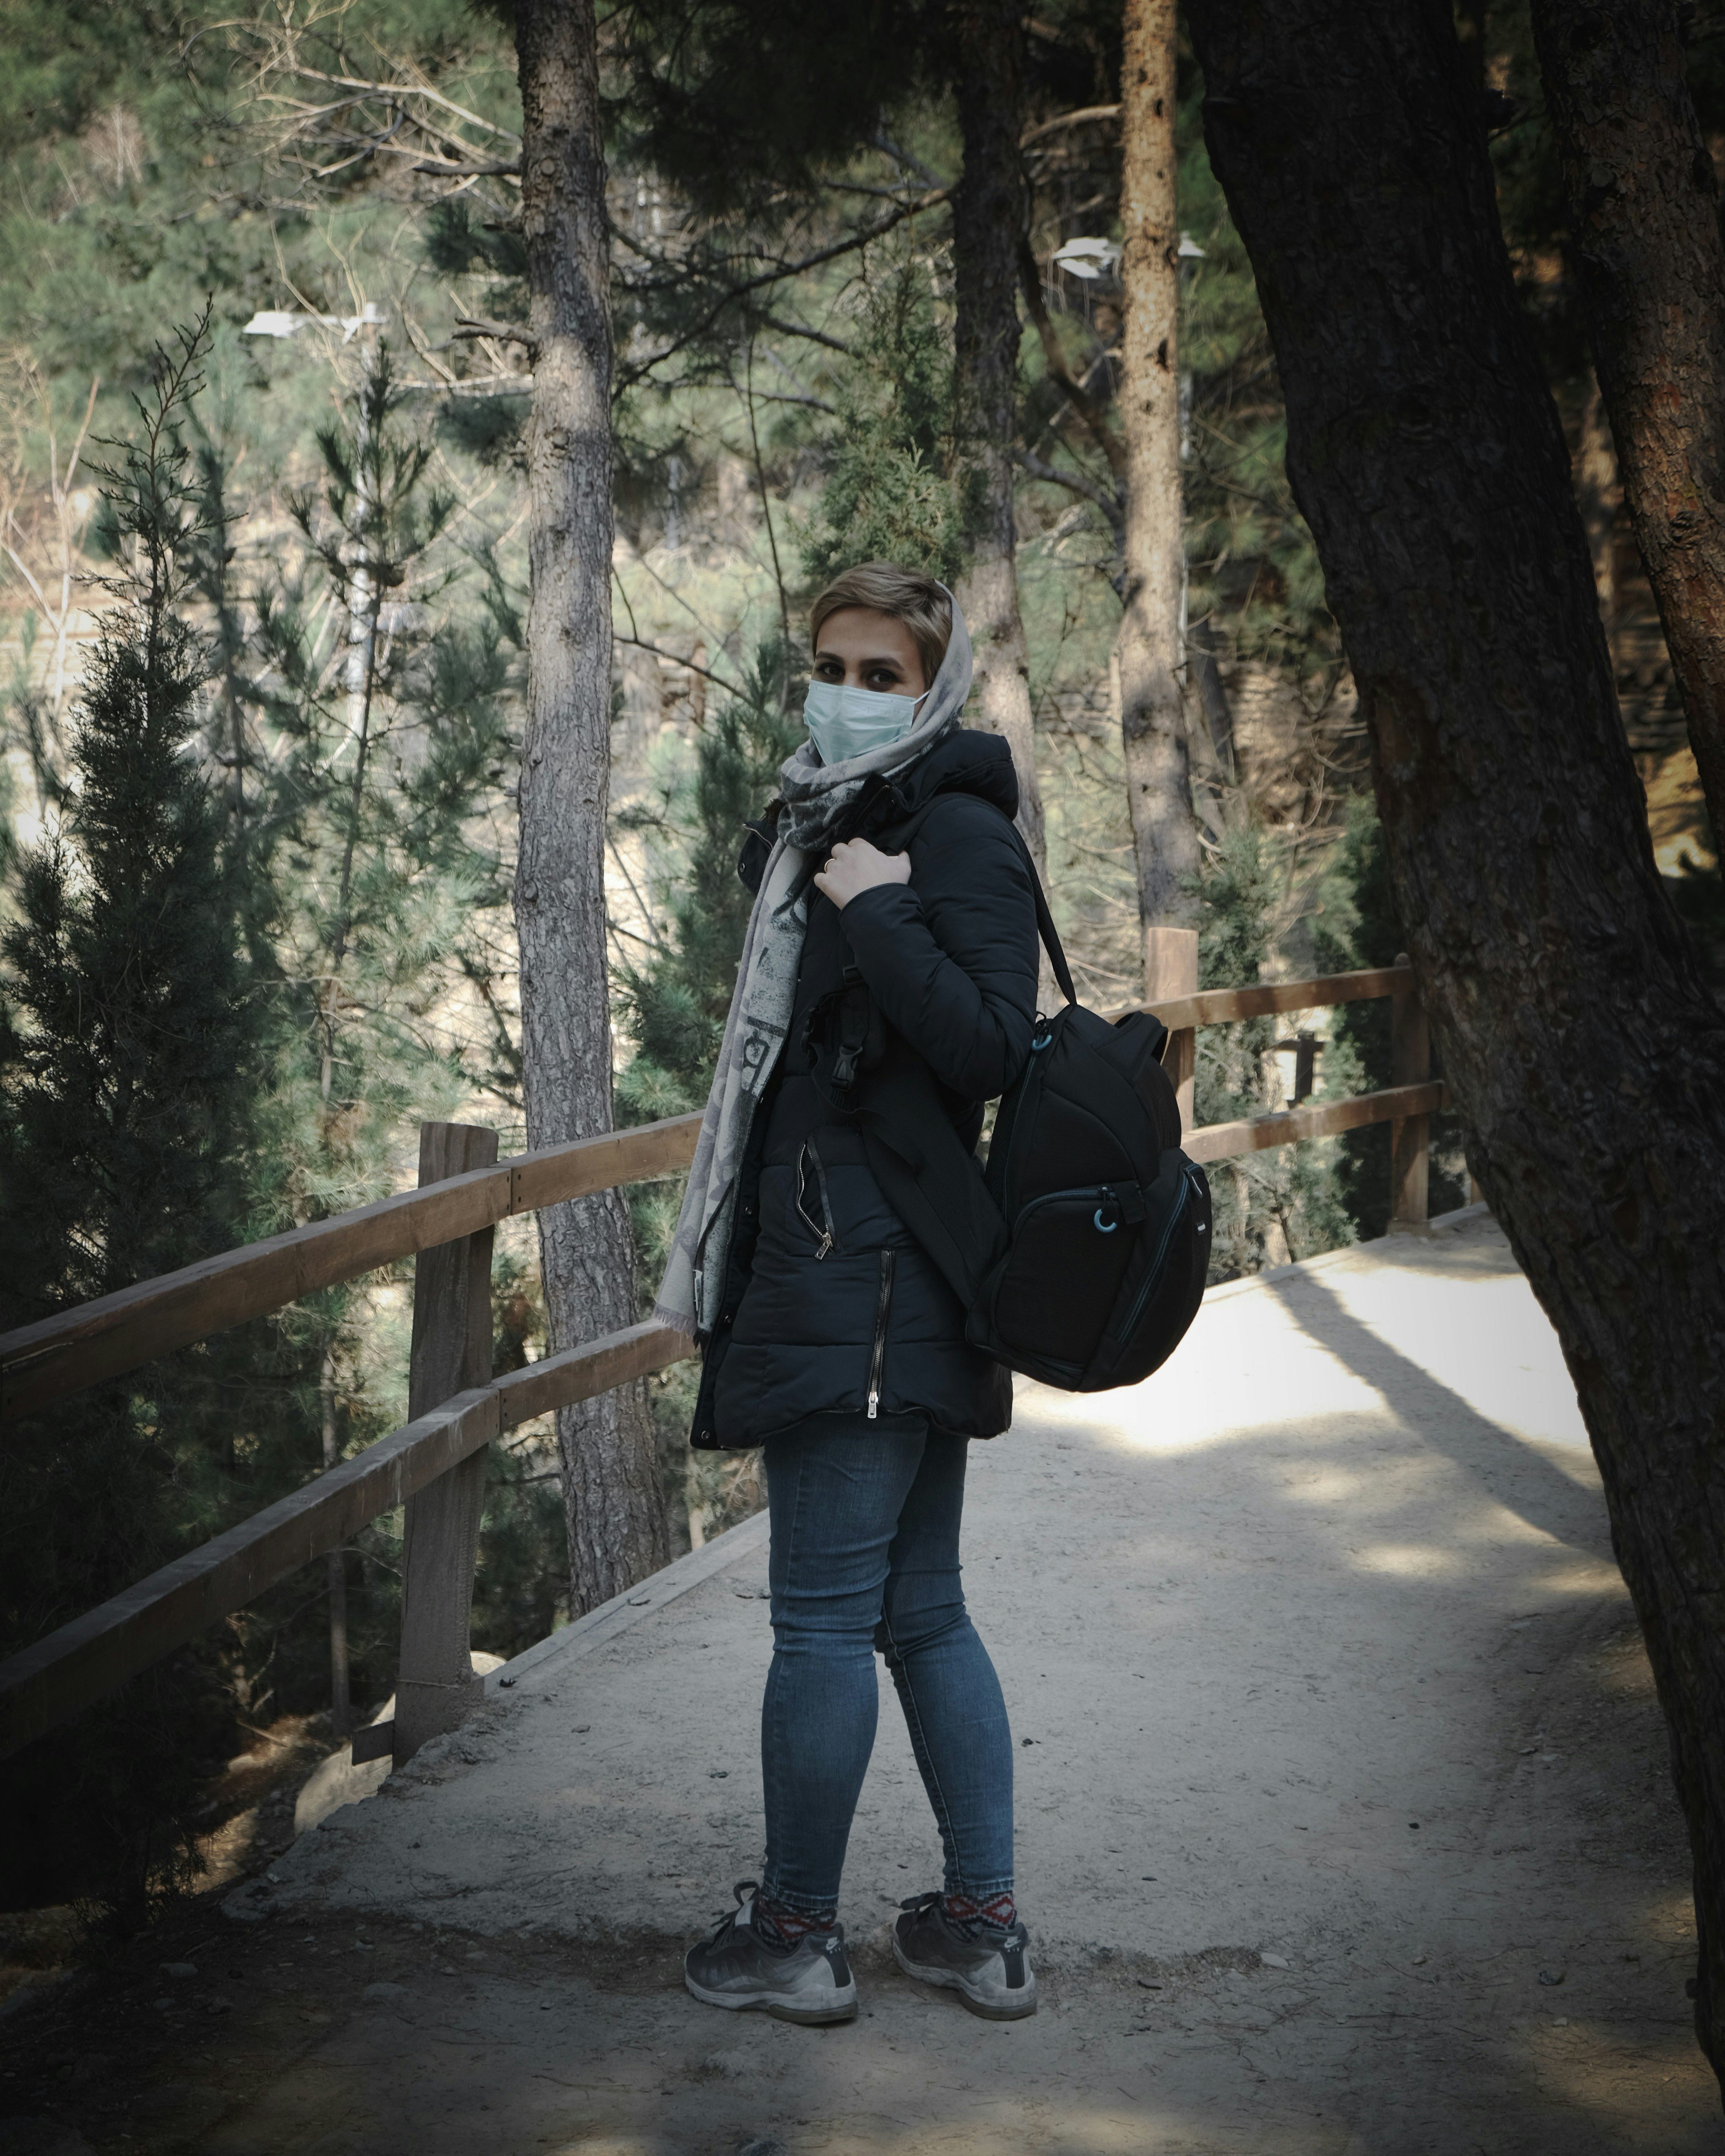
pixel 1567 1000
pixel 611 1488
pixel 990 213
pixel 1158 778
pixel 1644 219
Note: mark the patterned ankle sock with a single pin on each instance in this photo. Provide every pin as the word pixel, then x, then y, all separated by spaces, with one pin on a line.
pixel 997 1914
pixel 781 1927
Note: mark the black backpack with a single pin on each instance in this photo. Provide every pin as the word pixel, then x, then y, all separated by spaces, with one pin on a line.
pixel 1108 1222
pixel 1082 1253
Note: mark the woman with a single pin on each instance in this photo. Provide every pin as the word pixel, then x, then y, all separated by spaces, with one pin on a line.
pixel 886 990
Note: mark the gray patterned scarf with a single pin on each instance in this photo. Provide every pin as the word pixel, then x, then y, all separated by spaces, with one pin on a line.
pixel 816 797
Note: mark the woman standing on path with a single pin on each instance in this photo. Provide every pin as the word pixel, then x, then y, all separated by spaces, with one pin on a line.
pixel 903 974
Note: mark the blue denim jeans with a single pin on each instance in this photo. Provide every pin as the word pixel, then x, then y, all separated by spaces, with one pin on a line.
pixel 865 1556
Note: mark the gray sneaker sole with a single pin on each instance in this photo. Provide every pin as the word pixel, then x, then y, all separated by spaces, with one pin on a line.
pixel 1003 2007
pixel 841 2006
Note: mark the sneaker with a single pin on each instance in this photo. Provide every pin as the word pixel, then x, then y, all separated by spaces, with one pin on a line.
pixel 810 1982
pixel 991 1972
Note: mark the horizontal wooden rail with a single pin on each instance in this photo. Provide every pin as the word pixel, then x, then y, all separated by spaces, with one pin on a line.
pixel 116 1333
pixel 60 1674
pixel 1266 999
pixel 56 1356
pixel 1229 1140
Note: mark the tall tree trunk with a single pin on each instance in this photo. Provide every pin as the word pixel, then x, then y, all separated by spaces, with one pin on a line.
pixel 1567 999
pixel 989 212
pixel 1158 778
pixel 611 1486
pixel 1644 230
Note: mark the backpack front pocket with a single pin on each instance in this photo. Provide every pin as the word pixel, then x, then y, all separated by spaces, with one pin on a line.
pixel 1159 1298
pixel 1071 1252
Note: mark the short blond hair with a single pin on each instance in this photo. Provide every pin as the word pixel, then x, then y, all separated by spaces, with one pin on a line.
pixel 907 595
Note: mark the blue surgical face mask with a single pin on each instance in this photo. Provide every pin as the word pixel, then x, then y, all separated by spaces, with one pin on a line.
pixel 844 723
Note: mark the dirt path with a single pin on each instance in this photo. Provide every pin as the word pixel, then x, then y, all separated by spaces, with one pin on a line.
pixel 1344 1822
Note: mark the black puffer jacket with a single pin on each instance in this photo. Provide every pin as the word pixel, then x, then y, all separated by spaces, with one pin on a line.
pixel 831 1305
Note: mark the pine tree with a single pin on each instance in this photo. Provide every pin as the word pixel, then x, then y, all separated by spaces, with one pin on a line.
pixel 126 1048
pixel 897 490
pixel 384 712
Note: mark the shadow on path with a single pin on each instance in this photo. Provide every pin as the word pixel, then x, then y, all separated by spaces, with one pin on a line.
pixel 1513 1472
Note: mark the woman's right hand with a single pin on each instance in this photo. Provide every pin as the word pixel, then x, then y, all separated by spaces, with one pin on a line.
pixel 854 866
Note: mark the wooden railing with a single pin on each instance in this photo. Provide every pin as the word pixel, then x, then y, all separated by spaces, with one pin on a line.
pixel 434 1465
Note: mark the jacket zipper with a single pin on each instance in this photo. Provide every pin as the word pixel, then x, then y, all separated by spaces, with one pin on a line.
pixel 877 1365
pixel 826 1237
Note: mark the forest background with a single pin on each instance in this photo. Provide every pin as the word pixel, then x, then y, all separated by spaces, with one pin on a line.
pixel 268 374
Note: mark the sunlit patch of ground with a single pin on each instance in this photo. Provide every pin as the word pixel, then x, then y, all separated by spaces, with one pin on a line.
pixel 253 1800
pixel 1677 812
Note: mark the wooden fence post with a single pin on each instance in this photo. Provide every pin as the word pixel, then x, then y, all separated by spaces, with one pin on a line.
pixel 1409 1135
pixel 1171 970
pixel 435 1687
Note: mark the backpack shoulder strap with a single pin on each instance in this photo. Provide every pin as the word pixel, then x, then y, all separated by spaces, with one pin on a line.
pixel 1045 925
pixel 902 835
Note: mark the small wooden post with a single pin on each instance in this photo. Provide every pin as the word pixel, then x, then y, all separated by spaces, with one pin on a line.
pixel 1305 1065
pixel 436 1688
pixel 1170 970
pixel 1409 1135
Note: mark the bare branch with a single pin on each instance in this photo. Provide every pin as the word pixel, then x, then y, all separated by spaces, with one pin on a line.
pixel 474 325
pixel 1110 504
pixel 401 90
pixel 640 643
pixel 1068 120
pixel 778 397
pixel 802 329
pixel 627 377
pixel 446 168
pixel 910 164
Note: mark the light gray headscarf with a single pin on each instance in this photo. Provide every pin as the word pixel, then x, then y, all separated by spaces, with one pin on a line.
pixel 816 795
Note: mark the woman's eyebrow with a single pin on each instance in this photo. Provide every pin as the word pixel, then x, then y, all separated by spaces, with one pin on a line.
pixel 885 658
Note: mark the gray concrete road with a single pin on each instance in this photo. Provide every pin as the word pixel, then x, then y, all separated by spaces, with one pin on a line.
pixel 1344 1822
